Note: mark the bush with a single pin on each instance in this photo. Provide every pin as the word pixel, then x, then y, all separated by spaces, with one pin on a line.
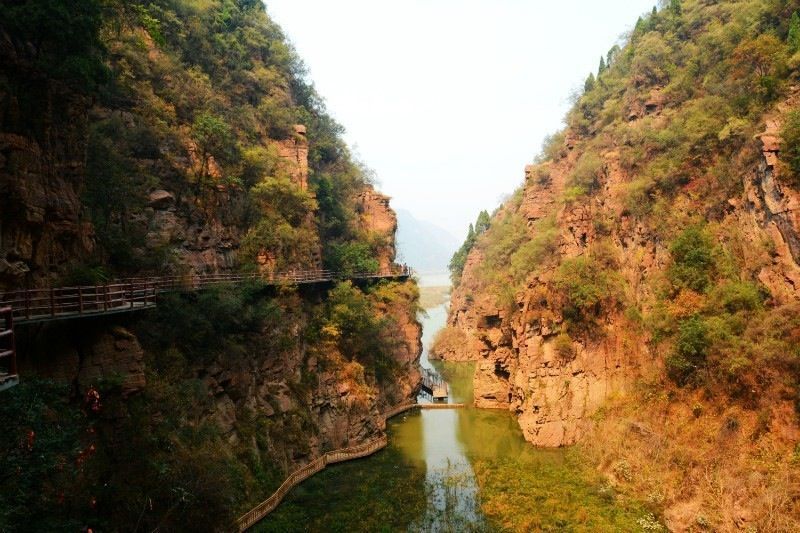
pixel 359 330
pixel 587 288
pixel 586 175
pixel 693 263
pixel 564 347
pixel 349 258
pixel 735 296
pixel 691 347
pixel 790 147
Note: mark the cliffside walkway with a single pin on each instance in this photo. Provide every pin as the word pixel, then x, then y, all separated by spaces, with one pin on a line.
pixel 8 351
pixel 256 514
pixel 44 305
pixel 27 306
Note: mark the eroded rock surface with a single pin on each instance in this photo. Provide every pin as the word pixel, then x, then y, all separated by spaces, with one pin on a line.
pixel 518 367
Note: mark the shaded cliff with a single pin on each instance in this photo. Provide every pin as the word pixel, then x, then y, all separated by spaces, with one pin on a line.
pixel 178 137
pixel 638 293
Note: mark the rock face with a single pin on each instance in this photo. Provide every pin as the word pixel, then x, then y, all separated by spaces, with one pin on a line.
pixel 518 364
pixel 293 156
pixel 207 240
pixel 42 224
pixel 379 219
pixel 44 227
pixel 83 353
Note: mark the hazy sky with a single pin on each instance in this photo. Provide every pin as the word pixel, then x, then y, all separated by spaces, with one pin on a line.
pixel 448 100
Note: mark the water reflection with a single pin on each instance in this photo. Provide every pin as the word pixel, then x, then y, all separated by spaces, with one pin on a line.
pixel 425 480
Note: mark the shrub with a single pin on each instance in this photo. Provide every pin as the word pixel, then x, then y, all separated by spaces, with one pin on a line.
pixel 587 288
pixel 790 147
pixel 691 347
pixel 563 347
pixel 693 263
pixel 351 257
pixel 735 296
pixel 586 175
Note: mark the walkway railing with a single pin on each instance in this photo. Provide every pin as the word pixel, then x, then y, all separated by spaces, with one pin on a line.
pixel 8 350
pixel 257 514
pixel 37 305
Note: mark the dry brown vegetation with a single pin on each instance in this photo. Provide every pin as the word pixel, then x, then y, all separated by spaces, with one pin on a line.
pixel 704 465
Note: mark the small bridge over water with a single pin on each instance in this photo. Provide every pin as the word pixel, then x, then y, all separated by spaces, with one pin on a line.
pixel 26 306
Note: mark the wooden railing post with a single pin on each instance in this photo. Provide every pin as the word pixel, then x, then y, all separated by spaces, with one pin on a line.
pixel 80 300
pixel 105 297
pixel 12 365
pixel 52 304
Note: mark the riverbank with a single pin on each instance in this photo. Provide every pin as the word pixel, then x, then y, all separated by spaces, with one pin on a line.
pixel 458 470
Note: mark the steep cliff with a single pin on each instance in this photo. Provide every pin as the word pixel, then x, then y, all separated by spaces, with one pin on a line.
pixel 638 293
pixel 177 137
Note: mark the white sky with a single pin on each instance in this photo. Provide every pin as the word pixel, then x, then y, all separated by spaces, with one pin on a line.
pixel 448 100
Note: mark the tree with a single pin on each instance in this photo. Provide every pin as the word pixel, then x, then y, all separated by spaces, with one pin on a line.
pixel 586 288
pixel 790 144
pixel 693 262
pixel 459 259
pixel 482 224
pixel 691 347
pixel 651 61
pixel 602 67
pixel 760 62
pixel 675 7
pixel 284 197
pixel 213 137
pixel 62 37
pixel 612 55
pixel 793 39
pixel 588 85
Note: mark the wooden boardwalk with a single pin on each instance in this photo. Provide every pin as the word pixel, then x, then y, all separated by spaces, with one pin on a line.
pixel 256 514
pixel 44 305
pixel 8 350
pixel 27 306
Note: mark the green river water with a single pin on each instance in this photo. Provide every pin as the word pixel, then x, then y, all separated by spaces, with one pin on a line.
pixel 456 470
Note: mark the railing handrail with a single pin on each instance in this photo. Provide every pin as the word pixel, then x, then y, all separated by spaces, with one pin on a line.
pixel 301 474
pixel 140 292
pixel 261 510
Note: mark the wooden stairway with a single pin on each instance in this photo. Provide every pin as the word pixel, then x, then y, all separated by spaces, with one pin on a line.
pixel 8 350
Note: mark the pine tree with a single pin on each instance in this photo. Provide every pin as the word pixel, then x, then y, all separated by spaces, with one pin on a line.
pixel 675 7
pixel 611 57
pixel 482 224
pixel 794 33
pixel 589 84
pixel 602 67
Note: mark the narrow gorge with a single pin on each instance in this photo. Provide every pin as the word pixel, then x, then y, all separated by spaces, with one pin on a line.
pixel 207 322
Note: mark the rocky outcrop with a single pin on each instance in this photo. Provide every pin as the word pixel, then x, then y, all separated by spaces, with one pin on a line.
pixel 82 354
pixel 42 163
pixel 378 219
pixel 293 156
pixel 553 390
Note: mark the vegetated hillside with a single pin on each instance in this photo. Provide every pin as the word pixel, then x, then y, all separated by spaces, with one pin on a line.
pixel 640 292
pixel 167 136
pixel 178 137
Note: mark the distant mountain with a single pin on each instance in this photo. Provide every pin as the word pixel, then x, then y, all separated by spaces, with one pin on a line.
pixel 423 245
